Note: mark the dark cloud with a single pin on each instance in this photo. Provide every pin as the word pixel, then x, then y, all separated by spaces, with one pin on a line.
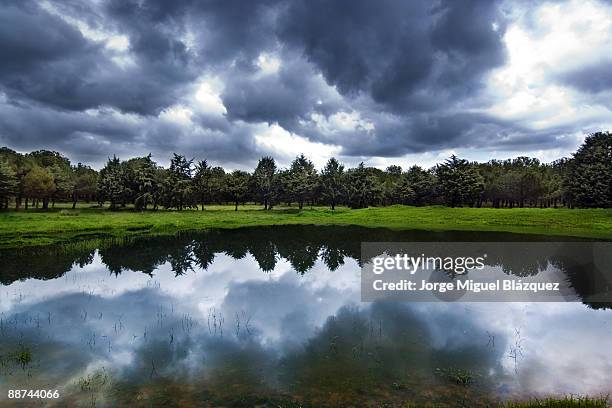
pixel 404 54
pixel 412 71
pixel 91 138
pixel 292 93
pixel 50 62
pixel 222 30
pixel 592 78
pixel 30 36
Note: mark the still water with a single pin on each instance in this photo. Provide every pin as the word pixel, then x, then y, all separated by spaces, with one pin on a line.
pixel 273 317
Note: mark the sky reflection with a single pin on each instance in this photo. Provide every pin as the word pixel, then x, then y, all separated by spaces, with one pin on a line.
pixel 291 333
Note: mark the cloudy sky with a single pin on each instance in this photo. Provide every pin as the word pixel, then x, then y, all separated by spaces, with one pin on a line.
pixel 385 82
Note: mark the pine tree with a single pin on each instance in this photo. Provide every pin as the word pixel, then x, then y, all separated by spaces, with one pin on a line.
pixel 459 181
pixel 589 180
pixel 201 181
pixel 263 179
pixel 178 187
pixel 331 182
pixel 146 184
pixel 302 179
pixel 111 183
pixel 361 189
pixel 8 184
pixel 423 186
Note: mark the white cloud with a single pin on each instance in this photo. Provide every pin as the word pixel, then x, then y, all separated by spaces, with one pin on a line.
pixel 268 64
pixel 285 145
pixel 112 41
pixel 208 99
pixel 553 38
pixel 341 122
pixel 177 114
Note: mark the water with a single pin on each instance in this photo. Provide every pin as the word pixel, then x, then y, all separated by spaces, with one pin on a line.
pixel 273 317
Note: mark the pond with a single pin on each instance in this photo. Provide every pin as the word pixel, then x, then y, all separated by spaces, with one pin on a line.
pixel 273 317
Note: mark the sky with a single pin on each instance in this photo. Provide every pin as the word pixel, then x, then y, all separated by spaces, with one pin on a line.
pixel 385 82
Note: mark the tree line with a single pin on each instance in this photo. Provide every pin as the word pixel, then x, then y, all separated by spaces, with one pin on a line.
pixel 41 178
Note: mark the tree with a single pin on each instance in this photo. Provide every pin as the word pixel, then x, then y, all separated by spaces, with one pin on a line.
pixel 399 191
pixel 8 183
pixel 331 182
pixel 583 181
pixel 39 184
pixel 217 182
pixel 111 182
pixel 263 179
pixel 86 184
pixel 237 186
pixel 281 186
pixel 22 165
pixel 178 189
pixel 394 169
pixel 65 182
pixel 589 179
pixel 395 189
pixel 361 188
pixel 47 159
pixel 459 181
pixel 302 179
pixel 201 181
pixel 61 170
pixel 423 185
pixel 146 183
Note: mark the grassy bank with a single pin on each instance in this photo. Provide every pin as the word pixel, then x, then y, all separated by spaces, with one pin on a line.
pixel 32 227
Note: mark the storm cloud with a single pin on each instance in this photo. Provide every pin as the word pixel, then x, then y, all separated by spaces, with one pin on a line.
pixel 233 80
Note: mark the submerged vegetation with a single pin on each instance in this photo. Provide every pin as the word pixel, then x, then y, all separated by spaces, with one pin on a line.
pixel 384 355
pixel 567 402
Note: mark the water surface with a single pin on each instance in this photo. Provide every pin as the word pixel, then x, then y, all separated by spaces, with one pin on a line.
pixel 272 317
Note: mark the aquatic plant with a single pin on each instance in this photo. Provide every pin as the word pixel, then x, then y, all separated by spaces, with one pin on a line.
pixel 567 402
pixel 24 357
pixel 459 376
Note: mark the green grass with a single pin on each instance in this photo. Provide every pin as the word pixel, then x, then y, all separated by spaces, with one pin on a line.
pixel 36 227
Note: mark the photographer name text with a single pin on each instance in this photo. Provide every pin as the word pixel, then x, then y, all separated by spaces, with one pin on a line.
pixel 507 285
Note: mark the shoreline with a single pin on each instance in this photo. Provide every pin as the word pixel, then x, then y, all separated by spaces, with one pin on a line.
pixel 30 228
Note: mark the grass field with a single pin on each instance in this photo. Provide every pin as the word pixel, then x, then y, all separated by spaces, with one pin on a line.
pixel 36 227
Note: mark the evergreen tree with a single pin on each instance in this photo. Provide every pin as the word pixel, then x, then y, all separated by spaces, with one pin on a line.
pixel 86 184
pixel 178 188
pixel 8 183
pixel 216 184
pixel 146 183
pixel 589 179
pixel 459 181
pixel 201 181
pixel 302 180
pixel 395 189
pixel 263 179
pixel 237 186
pixel 332 182
pixel 360 187
pixel 111 183
pixel 65 182
pixel 422 185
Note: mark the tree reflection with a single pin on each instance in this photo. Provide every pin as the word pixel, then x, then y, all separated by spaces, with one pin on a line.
pixel 302 247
